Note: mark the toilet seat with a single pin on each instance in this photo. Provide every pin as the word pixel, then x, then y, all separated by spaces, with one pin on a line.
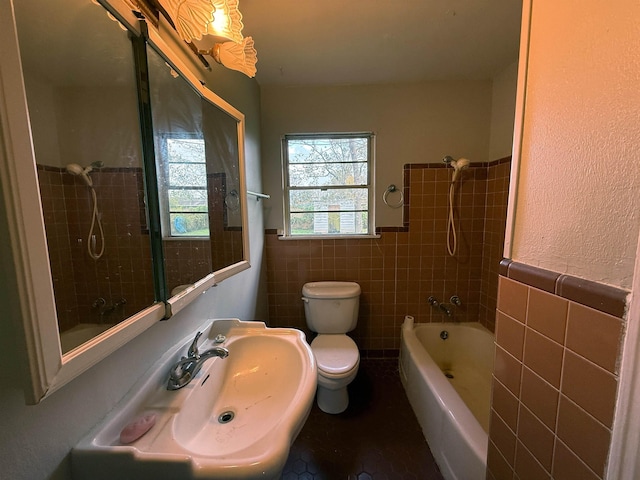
pixel 336 355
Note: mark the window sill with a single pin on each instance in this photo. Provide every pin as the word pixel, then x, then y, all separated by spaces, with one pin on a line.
pixel 327 237
pixel 186 237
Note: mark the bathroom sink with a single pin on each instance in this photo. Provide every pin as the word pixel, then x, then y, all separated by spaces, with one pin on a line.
pixel 236 419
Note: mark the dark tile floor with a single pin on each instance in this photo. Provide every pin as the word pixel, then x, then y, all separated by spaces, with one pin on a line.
pixel 378 437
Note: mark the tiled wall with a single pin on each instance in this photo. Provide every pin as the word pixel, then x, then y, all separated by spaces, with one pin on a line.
pixel 493 244
pixel 124 271
pixel 555 376
pixel 401 269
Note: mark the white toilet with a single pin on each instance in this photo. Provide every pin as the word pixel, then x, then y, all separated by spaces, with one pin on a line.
pixel 331 310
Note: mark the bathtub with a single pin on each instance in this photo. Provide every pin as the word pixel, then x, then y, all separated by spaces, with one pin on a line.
pixel 453 412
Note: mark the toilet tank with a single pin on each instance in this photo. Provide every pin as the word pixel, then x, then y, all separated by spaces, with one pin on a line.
pixel 331 307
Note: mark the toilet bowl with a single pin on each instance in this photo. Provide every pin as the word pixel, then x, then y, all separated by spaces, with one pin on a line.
pixel 331 310
pixel 338 359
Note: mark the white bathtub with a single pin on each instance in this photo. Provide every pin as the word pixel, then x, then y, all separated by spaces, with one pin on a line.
pixel 453 413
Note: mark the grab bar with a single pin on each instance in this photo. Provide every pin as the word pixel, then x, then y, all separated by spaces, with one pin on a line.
pixel 258 195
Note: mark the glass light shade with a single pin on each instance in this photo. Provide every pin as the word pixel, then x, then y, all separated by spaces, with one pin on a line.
pixel 227 21
pixel 191 18
pixel 236 56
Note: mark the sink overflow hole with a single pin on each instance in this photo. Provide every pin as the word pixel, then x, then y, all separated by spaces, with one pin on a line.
pixel 448 374
pixel 226 417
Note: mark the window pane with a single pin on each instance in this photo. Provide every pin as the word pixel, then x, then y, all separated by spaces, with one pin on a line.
pixel 187 200
pixel 323 150
pixel 327 174
pixel 190 224
pixel 328 223
pixel 187 175
pixel 325 200
pixel 185 150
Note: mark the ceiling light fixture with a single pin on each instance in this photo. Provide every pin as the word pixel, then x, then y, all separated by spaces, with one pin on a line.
pixel 215 27
pixel 235 56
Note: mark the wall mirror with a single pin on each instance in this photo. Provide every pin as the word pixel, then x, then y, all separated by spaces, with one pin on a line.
pixel 85 212
pixel 83 107
pixel 200 188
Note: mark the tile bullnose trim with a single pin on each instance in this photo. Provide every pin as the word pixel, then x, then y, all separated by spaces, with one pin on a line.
pixel 601 297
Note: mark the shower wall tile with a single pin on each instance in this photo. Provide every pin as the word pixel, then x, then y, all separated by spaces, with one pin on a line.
pixel 594 335
pixel 547 314
pixel 123 272
pixel 527 466
pixel 579 376
pixel 561 407
pixel 568 466
pixel 540 397
pixel 544 357
pixel 510 335
pixel 400 270
pixel 506 405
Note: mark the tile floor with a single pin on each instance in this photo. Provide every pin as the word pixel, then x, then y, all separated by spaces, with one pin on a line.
pixel 378 437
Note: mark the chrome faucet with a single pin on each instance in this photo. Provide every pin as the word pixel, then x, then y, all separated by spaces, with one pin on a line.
pixel 185 369
pixel 445 309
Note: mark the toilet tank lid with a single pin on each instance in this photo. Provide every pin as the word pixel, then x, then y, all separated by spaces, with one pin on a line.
pixel 331 290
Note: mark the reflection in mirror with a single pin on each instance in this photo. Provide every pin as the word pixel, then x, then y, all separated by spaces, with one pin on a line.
pixel 198 165
pixel 81 92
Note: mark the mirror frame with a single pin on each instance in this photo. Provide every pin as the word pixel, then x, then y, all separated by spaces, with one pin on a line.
pixel 27 256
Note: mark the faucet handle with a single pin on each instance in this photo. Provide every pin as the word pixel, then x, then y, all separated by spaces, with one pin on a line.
pixel 193 349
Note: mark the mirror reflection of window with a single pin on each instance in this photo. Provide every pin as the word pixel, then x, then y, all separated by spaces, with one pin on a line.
pixel 185 180
pixel 85 127
pixel 198 165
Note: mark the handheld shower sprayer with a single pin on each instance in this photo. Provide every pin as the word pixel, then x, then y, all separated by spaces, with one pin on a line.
pixel 458 166
pixel 92 242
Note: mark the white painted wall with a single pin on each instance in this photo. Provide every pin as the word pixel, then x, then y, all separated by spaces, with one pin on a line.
pixel 578 207
pixel 413 123
pixel 36 440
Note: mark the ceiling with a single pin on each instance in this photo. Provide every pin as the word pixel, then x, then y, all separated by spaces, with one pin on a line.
pixel 331 42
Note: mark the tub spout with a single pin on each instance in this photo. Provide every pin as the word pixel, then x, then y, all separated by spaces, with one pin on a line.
pixel 446 310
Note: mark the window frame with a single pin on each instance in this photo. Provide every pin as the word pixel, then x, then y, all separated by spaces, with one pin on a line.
pixel 369 186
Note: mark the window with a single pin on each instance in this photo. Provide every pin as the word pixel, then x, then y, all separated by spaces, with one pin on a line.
pixel 328 188
pixel 184 196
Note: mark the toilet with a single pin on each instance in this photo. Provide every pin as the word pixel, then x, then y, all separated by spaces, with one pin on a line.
pixel 331 310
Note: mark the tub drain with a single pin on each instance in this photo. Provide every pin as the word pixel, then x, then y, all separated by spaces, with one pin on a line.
pixel 226 417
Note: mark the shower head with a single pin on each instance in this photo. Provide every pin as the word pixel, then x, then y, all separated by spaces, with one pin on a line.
pixel 77 170
pixel 458 166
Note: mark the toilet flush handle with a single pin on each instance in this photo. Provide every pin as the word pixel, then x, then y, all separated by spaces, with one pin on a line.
pixel 305 299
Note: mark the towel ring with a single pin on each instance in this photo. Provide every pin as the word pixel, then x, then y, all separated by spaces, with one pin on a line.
pixel 391 189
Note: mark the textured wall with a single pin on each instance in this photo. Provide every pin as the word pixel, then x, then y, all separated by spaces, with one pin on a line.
pixel 578 203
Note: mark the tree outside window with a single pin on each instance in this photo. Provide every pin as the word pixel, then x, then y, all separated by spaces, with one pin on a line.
pixel 328 184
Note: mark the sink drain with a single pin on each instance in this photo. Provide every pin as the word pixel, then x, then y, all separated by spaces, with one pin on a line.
pixel 226 417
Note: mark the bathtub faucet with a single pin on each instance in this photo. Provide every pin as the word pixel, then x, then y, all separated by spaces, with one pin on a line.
pixel 447 311
pixel 185 369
